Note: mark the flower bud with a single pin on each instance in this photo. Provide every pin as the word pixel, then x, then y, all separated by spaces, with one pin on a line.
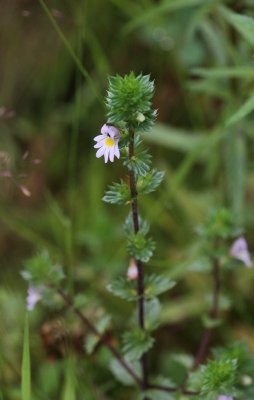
pixel 132 273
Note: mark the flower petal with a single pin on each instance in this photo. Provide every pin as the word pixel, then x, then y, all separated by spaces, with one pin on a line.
pixel 100 152
pixel 112 153
pixel 99 137
pixel 117 152
pixel 240 251
pixel 99 144
pixel 104 129
pixel 106 153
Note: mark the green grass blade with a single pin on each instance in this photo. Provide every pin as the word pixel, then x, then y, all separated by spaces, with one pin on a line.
pixel 26 369
pixel 242 23
pixel 174 138
pixel 72 53
pixel 69 390
pixel 244 110
pixel 162 8
pixel 225 72
pixel 235 171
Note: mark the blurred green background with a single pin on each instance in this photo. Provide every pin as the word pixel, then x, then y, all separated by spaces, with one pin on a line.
pixel 53 80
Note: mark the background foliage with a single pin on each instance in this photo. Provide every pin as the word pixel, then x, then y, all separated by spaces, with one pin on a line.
pixel 200 54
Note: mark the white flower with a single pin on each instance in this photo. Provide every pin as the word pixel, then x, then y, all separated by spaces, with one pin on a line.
pixel 223 397
pixel 240 251
pixel 107 143
pixel 34 294
pixel 132 273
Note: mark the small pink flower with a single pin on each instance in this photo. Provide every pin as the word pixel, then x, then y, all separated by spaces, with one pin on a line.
pixel 34 294
pixel 132 273
pixel 240 251
pixel 107 143
pixel 223 397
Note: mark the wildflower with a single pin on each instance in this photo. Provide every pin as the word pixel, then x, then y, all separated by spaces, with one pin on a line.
pixel 107 143
pixel 223 397
pixel 132 273
pixel 240 251
pixel 34 294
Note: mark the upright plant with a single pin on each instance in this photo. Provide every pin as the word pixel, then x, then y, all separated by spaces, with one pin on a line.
pixel 129 113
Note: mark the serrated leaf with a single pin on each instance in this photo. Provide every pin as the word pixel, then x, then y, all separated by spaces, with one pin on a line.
pixel 136 343
pixel 124 289
pixel 156 285
pixel 140 163
pixel 40 269
pixel 121 374
pixel 118 193
pixel 140 247
pixel 243 111
pixel 129 227
pixel 149 183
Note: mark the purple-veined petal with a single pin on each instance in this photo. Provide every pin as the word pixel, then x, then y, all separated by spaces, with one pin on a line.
pixel 117 152
pixel 104 129
pixel 106 154
pixel 99 144
pixel 112 153
pixel 100 152
pixel 99 137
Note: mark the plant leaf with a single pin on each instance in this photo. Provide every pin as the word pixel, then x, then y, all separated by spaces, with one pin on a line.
pixel 243 111
pixel 136 343
pixel 149 183
pixel 118 193
pixel 242 23
pixel 26 368
pixel 140 247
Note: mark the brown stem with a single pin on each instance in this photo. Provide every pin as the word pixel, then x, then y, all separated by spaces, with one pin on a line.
pixel 102 338
pixel 207 335
pixel 68 301
pixel 140 280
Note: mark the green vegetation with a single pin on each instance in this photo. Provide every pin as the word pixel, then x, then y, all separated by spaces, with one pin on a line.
pixel 197 56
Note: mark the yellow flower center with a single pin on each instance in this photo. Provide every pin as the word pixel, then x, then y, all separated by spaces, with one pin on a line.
pixel 109 142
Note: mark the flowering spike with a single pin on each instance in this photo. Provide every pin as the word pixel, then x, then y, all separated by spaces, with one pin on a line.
pixel 129 101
